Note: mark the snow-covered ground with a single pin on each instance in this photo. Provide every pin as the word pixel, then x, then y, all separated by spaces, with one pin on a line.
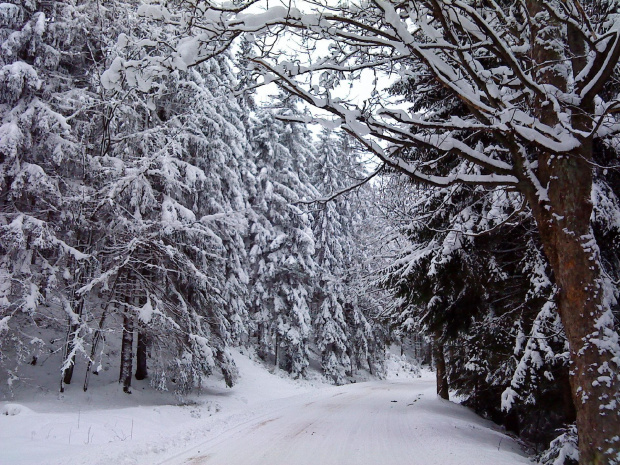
pixel 265 419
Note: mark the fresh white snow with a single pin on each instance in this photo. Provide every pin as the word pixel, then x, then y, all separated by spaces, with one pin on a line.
pixel 265 419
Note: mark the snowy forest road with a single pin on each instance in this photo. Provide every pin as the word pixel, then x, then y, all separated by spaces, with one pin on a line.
pixel 375 423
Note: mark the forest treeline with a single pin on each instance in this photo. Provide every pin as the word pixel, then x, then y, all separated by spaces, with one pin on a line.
pixel 171 216
pixel 473 276
pixel 184 218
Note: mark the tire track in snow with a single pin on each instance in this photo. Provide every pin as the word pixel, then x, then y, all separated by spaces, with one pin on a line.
pixel 386 423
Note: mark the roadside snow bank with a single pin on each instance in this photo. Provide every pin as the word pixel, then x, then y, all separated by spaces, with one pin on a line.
pixel 104 425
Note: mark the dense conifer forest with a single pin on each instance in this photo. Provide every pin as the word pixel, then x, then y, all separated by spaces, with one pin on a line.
pixel 459 185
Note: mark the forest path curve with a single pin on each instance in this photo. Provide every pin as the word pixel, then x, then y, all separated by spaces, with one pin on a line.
pixel 374 423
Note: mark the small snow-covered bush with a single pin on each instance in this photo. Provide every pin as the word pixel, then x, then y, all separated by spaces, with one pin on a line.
pixel 399 367
pixel 14 409
pixel 563 450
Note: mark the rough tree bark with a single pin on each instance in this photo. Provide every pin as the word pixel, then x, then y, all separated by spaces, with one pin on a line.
pixel 564 224
pixel 568 244
pixel 440 370
pixel 126 354
pixel 93 349
pixel 78 303
pixel 141 356
pixel 263 346
pixel 67 374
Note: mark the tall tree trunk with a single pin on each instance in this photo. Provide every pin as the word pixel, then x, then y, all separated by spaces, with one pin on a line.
pixel 67 373
pixel 69 356
pixel 126 354
pixel 440 369
pixel 78 302
pixel 563 219
pixel 586 317
pixel 93 349
pixel 351 363
pixel 263 347
pixel 99 334
pixel 141 356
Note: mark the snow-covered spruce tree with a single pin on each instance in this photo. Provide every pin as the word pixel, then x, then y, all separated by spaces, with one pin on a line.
pixel 445 227
pixel 343 334
pixel 365 300
pixel 371 252
pixel 483 284
pixel 222 155
pixel 532 75
pixel 541 376
pixel 329 299
pixel 476 295
pixel 281 244
pixel 171 197
pixel 331 332
pixel 45 60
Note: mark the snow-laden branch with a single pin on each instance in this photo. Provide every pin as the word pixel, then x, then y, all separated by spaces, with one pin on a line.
pixel 479 53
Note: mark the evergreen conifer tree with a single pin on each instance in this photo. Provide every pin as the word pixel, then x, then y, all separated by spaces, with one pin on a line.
pixel 282 246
